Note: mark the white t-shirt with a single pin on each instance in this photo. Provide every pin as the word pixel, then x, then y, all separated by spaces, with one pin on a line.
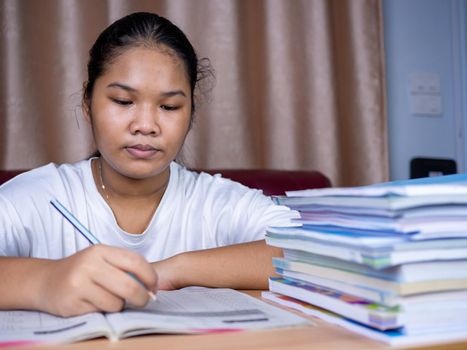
pixel 197 211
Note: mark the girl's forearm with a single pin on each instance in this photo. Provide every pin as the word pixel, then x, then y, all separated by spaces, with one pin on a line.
pixel 20 277
pixel 239 266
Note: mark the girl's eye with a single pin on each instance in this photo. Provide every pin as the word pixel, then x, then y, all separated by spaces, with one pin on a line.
pixel 170 107
pixel 122 102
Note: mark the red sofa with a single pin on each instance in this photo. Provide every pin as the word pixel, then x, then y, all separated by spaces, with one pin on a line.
pixel 272 182
pixel 275 182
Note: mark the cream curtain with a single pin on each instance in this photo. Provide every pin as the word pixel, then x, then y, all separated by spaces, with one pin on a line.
pixel 299 83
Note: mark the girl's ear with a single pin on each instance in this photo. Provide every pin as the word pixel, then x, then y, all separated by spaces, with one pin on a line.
pixel 86 112
pixel 86 104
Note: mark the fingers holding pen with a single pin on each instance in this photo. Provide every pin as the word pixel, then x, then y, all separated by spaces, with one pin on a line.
pixel 111 284
pixel 96 279
pixel 128 275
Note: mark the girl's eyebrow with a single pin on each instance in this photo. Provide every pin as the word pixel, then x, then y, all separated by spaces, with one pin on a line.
pixel 173 93
pixel 121 86
pixel 130 89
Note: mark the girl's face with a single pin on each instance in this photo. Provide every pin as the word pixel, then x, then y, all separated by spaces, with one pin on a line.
pixel 140 111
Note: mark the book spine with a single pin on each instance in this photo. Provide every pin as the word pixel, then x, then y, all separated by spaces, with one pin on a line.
pixel 366 314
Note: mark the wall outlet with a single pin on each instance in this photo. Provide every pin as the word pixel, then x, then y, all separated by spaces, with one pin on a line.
pixel 425 94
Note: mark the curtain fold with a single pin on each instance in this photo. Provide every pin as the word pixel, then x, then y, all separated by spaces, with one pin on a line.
pixel 299 84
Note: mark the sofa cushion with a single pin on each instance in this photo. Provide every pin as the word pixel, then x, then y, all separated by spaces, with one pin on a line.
pixel 272 182
pixel 275 182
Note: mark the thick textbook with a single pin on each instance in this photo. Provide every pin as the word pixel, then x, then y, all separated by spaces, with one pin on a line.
pixel 429 225
pixel 355 308
pixel 411 272
pixel 368 250
pixel 383 297
pixel 186 311
pixel 372 314
pixel 428 186
pixel 393 203
pixel 450 281
pixel 394 196
pixel 397 336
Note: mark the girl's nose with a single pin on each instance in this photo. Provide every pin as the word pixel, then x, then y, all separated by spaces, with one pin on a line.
pixel 145 122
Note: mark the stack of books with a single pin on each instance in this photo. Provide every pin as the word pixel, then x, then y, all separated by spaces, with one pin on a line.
pixel 388 261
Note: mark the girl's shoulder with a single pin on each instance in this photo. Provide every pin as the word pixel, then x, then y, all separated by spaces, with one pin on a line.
pixel 195 183
pixel 192 178
pixel 45 177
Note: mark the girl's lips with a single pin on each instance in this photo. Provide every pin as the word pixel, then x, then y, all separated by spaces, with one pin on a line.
pixel 142 152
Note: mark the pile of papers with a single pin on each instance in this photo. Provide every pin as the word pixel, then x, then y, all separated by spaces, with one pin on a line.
pixel 388 261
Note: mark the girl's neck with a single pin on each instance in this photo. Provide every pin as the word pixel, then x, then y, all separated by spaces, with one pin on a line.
pixel 116 187
pixel 132 201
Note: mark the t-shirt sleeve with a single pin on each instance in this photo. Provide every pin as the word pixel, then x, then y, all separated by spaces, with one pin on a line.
pixel 237 214
pixel 13 238
pixel 251 216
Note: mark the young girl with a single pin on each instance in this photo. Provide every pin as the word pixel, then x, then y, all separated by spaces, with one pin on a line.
pixel 157 221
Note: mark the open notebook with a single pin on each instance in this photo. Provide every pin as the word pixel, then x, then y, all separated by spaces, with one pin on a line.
pixel 185 311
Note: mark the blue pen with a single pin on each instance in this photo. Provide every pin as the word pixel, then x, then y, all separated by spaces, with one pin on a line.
pixel 85 232
pixel 74 221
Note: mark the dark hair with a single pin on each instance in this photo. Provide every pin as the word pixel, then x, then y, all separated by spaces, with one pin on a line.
pixel 143 29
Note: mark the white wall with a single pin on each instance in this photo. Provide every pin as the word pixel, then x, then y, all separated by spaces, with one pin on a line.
pixel 425 37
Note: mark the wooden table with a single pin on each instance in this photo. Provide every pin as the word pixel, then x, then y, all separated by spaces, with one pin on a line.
pixel 320 335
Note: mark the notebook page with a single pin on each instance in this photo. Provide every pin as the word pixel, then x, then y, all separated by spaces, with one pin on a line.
pixel 199 310
pixel 43 327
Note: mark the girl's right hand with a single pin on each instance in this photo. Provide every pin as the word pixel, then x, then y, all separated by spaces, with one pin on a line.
pixel 95 279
